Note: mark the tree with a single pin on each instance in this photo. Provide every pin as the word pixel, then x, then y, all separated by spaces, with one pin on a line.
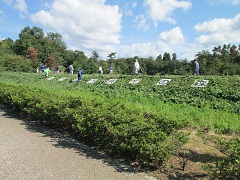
pixel 16 63
pixel 166 57
pixel 52 63
pixel 112 55
pixel 159 58
pixel 37 32
pixel 57 41
pixel 95 56
pixel 31 53
pixel 174 56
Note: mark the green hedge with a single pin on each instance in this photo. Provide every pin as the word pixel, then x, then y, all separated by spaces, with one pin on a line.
pixel 111 127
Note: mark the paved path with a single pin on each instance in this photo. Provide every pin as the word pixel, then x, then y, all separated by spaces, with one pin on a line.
pixel 30 151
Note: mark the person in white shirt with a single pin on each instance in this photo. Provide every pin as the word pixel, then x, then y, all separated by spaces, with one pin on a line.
pixel 100 71
pixel 71 69
pixel 137 67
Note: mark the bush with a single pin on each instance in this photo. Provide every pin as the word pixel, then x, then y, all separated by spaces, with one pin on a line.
pixel 229 167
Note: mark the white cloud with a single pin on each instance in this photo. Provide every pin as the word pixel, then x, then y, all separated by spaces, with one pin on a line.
pixel 134 4
pixel 141 50
pixel 232 2
pixel 2 15
pixel 19 5
pixel 129 13
pixel 173 37
pixel 171 41
pixel 85 24
pixel 161 10
pixel 8 2
pixel 141 23
pixel 219 31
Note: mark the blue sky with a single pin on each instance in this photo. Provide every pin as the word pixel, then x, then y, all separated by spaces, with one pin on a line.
pixel 130 28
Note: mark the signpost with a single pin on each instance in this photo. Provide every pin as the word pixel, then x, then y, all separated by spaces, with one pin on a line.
pixel 50 78
pixel 111 81
pixel 134 81
pixel 92 81
pixel 200 83
pixel 62 79
pixel 163 82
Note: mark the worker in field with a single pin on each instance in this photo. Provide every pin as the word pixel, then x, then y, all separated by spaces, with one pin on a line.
pixel 46 72
pixel 43 67
pixel 136 67
pixel 100 71
pixel 111 70
pixel 80 72
pixel 196 68
pixel 71 69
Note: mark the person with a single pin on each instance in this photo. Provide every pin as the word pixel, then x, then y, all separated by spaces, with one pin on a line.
pixel 37 70
pixel 140 71
pixel 46 72
pixel 100 71
pixel 111 70
pixel 137 67
pixel 57 70
pixel 43 67
pixel 196 68
pixel 71 69
pixel 80 72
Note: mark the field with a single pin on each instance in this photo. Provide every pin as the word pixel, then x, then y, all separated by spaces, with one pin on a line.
pixel 146 124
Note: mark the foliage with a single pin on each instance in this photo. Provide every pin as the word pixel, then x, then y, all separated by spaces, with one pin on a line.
pixel 120 132
pixel 11 62
pixel 229 167
pixel 138 122
pixel 33 44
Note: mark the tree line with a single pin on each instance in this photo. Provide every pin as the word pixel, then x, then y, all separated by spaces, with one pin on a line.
pixel 33 48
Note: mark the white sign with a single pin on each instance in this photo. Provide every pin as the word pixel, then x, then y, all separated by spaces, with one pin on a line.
pixel 163 82
pixel 75 80
pixel 200 83
pixel 92 81
pixel 134 81
pixel 111 81
pixel 50 78
pixel 62 79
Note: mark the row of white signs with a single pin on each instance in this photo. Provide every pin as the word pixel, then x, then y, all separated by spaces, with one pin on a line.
pixel 162 82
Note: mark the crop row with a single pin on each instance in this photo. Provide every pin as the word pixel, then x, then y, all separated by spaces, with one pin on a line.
pixel 221 96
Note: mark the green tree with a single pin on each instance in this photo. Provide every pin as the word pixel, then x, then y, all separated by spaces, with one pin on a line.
pixel 174 56
pixel 166 57
pixel 57 41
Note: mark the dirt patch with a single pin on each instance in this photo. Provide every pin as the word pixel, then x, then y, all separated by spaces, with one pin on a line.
pixel 189 160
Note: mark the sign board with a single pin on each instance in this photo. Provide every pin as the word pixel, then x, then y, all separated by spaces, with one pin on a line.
pixel 75 80
pixel 134 81
pixel 200 83
pixel 62 79
pixel 92 81
pixel 50 78
pixel 163 82
pixel 111 81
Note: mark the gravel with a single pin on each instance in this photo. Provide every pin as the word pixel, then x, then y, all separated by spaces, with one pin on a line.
pixel 30 151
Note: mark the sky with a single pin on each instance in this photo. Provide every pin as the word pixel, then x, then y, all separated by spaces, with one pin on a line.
pixel 143 28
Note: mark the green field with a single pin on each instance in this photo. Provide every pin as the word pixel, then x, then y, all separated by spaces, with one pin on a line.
pixel 140 120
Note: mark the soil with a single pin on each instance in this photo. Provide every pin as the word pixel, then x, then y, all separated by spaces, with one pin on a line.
pixel 199 151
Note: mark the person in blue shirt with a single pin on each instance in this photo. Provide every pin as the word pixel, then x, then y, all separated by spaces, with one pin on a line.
pixel 80 72
pixel 43 67
pixel 111 70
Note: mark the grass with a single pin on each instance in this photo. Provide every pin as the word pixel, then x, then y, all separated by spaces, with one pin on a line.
pixel 140 98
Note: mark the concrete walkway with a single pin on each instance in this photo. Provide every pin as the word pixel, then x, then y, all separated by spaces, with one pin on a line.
pixel 30 151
